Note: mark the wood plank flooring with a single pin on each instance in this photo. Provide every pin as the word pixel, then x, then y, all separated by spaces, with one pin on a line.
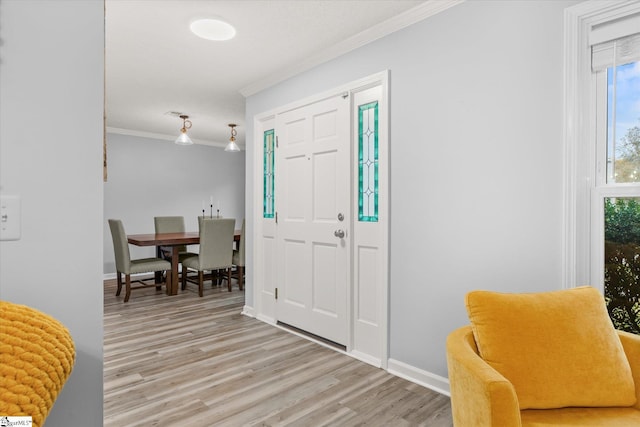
pixel 190 361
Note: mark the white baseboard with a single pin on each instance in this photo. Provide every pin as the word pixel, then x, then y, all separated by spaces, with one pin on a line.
pixel 366 358
pixel 419 376
pixel 248 311
pixel 266 319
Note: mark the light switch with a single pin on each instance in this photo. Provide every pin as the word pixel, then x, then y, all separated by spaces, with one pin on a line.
pixel 9 217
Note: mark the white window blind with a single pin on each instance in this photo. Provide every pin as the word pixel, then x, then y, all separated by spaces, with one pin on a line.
pixel 615 42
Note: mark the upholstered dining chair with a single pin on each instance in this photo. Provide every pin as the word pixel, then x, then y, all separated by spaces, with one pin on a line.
pixel 216 276
pixel 216 251
pixel 127 266
pixel 172 224
pixel 201 218
pixel 238 259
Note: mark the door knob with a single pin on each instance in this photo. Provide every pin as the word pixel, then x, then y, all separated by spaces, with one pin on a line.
pixel 339 233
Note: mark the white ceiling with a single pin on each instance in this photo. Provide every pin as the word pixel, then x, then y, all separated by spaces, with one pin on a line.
pixel 155 65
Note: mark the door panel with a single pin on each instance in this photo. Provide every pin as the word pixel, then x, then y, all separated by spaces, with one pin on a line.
pixel 324 289
pixel 294 261
pixel 324 186
pixel 312 162
pixel 295 175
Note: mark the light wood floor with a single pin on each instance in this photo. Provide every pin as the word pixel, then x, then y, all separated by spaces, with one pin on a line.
pixel 190 361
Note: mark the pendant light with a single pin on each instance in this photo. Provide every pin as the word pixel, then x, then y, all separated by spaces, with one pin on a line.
pixel 184 139
pixel 232 146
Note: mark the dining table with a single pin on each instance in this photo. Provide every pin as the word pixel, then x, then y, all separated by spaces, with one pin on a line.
pixel 174 241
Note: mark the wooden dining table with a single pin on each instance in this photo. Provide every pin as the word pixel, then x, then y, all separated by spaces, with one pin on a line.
pixel 173 240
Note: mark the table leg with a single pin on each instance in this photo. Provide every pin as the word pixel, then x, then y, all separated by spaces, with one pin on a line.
pixel 173 290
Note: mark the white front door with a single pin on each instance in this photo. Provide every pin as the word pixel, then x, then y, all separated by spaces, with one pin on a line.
pixel 313 215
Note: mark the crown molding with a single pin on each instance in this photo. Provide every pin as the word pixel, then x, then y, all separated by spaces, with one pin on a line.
pixel 161 136
pixel 398 22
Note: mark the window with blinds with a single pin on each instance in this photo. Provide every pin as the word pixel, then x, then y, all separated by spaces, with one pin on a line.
pixel 615 60
pixel 615 64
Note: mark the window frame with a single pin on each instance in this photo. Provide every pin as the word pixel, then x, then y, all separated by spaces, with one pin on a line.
pixel 603 189
pixel 583 240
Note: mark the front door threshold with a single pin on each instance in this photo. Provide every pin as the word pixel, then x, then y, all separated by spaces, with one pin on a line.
pixel 315 337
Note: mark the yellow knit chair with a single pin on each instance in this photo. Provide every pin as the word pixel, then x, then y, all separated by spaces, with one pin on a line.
pixel 36 358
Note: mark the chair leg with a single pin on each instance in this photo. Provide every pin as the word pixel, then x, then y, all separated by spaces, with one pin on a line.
pixel 159 277
pixel 119 276
pixel 201 283
pixel 240 271
pixel 127 278
pixel 228 270
pixel 184 277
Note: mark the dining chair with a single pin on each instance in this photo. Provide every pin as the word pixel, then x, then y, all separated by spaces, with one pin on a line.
pixel 172 224
pixel 127 266
pixel 238 259
pixel 216 276
pixel 216 251
pixel 201 218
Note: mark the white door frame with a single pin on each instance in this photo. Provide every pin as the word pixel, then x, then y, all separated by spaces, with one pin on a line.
pixel 377 354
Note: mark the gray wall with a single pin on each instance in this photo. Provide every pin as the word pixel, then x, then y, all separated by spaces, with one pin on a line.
pixel 51 107
pixel 150 177
pixel 476 160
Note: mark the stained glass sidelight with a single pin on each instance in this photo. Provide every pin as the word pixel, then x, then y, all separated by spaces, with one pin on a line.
pixel 268 165
pixel 368 162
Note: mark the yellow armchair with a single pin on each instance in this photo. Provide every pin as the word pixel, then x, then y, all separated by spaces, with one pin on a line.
pixel 595 378
pixel 480 396
pixel 631 345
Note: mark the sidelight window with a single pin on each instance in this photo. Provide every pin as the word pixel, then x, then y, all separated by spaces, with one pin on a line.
pixel 368 162
pixel 268 174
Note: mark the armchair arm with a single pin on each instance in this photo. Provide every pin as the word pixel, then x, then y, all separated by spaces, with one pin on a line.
pixel 480 396
pixel 631 345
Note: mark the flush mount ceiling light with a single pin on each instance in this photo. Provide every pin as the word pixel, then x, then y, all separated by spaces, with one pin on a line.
pixel 213 29
pixel 232 146
pixel 184 139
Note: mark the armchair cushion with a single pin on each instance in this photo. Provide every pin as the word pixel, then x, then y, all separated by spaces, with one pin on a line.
pixel 558 349
pixel 37 355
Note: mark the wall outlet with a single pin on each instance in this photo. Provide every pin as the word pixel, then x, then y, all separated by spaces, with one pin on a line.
pixel 10 219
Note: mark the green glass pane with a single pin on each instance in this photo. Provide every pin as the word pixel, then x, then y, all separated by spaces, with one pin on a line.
pixel 622 262
pixel 268 202
pixel 368 136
